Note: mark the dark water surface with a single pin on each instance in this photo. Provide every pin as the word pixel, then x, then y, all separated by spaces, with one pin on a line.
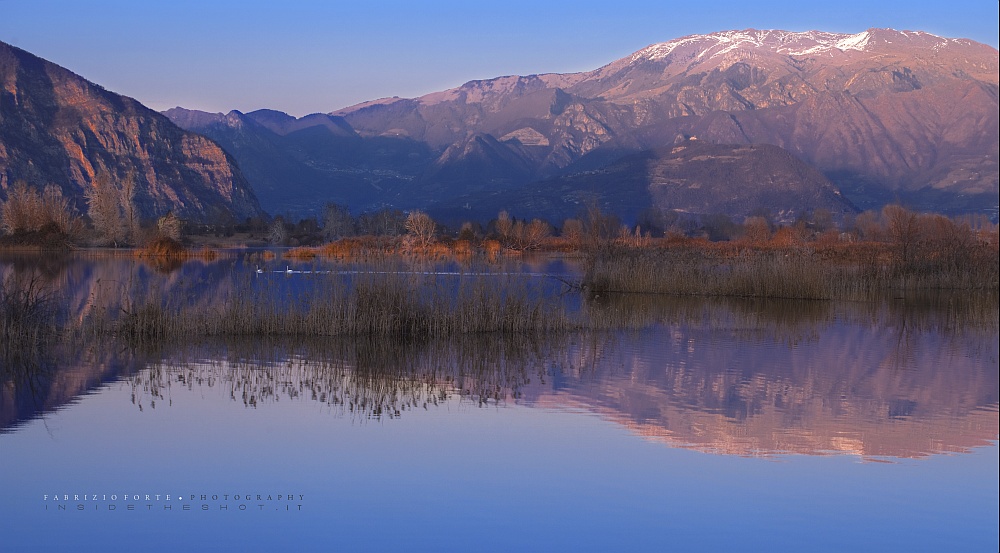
pixel 720 425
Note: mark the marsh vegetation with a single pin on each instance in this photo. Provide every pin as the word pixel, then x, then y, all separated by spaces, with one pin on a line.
pixel 854 272
pixel 381 301
pixel 389 285
pixel 29 314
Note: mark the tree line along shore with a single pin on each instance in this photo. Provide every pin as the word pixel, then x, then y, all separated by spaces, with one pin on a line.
pixel 880 255
pixel 814 257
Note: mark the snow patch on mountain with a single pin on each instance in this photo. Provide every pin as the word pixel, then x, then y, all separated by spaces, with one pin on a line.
pixel 853 42
pixel 697 47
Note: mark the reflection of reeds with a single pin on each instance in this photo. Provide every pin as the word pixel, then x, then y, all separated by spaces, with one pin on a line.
pixel 366 378
pixel 728 312
pixel 28 315
pixel 29 329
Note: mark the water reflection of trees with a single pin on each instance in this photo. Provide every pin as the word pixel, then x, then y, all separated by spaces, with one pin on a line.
pixel 745 378
pixel 881 378
pixel 87 287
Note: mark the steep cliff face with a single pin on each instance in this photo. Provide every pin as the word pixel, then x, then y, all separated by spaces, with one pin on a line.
pixel 58 128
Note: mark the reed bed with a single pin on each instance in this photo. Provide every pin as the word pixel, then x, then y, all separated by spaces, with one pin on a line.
pixel 28 316
pixel 372 247
pixel 797 273
pixel 172 249
pixel 398 299
pixel 383 303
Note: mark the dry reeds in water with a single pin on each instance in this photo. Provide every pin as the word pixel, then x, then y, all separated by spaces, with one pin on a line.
pixel 778 273
pixel 382 303
pixel 28 315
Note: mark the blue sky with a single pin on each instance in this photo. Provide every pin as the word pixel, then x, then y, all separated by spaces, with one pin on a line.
pixel 304 57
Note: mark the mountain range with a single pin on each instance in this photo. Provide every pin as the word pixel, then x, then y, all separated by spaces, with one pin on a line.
pixel 57 128
pixel 732 122
pixel 882 113
pixel 884 116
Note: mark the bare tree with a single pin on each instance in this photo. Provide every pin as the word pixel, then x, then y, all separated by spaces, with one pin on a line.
pixel 337 222
pixel 867 226
pixel 60 211
pixel 505 228
pixel 27 210
pixel 130 212
pixel 421 227
pixel 632 238
pixel 572 231
pixel 822 219
pixel 169 226
pixel 903 227
pixel 467 232
pixel 756 230
pixel 277 233
pixel 599 229
pixel 949 243
pixel 384 222
pixel 104 208
pixel 19 212
pixel 530 236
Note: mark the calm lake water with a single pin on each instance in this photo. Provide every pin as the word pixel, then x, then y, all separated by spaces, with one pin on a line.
pixel 719 425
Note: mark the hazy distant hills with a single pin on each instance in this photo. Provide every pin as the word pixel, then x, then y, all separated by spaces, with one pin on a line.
pixel 884 115
pixel 693 176
pixel 297 165
pixel 58 128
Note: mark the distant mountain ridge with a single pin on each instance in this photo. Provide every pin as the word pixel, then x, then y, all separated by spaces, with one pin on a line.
pixel 885 115
pixel 298 165
pixel 57 128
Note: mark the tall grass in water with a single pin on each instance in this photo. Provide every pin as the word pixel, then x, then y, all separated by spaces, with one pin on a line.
pixel 866 273
pixel 30 329
pixel 28 315
pixel 381 301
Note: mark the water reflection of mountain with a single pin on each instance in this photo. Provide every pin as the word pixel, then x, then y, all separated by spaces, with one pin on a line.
pixel 900 379
pixel 846 391
pixel 897 379
pixel 45 380
pixel 83 284
pixel 364 378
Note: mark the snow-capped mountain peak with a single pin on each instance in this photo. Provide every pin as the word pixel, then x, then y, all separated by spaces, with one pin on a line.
pixel 808 43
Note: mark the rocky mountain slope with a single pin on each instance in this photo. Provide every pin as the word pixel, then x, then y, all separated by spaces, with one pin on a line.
pixel 884 114
pixel 298 165
pixel 692 176
pixel 58 128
